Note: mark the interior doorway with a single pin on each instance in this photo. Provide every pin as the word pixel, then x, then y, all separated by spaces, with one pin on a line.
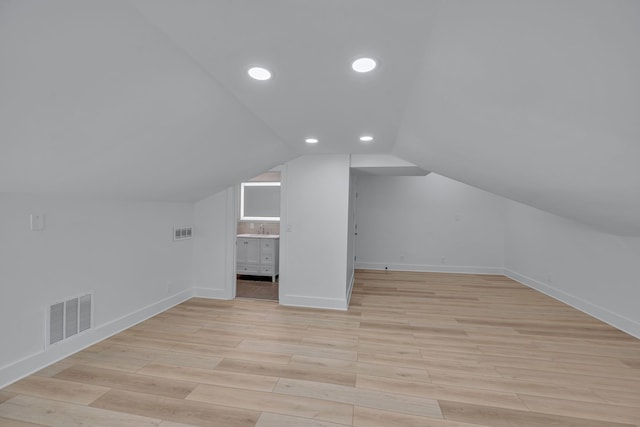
pixel 258 237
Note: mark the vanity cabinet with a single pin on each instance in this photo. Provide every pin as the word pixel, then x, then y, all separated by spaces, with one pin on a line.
pixel 257 255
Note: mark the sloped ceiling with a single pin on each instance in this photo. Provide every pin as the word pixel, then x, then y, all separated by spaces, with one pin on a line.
pixel 538 101
pixel 96 101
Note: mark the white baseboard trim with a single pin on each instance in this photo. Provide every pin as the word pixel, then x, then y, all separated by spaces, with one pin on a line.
pixel 623 323
pixel 211 293
pixel 37 361
pixel 350 287
pixel 430 268
pixel 314 302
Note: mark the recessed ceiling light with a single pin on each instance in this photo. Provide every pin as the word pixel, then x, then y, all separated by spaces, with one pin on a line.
pixel 311 140
pixel 259 73
pixel 366 138
pixel 363 65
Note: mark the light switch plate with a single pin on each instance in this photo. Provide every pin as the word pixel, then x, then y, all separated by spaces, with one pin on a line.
pixel 37 222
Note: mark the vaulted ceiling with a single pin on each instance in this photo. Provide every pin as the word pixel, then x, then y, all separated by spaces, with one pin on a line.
pixel 538 101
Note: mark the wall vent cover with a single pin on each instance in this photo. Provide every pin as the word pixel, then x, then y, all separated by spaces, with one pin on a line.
pixel 68 318
pixel 182 233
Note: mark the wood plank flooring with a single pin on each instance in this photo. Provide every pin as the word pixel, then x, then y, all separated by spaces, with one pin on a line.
pixel 257 288
pixel 414 349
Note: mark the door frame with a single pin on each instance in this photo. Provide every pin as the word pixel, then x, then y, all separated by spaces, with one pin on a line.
pixel 232 218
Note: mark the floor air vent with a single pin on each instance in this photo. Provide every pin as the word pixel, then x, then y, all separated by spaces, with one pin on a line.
pixel 68 318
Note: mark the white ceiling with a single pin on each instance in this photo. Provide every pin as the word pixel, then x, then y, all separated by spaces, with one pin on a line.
pixel 538 101
pixel 309 46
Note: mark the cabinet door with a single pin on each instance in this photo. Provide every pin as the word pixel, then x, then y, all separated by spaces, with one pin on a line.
pixel 241 251
pixel 253 251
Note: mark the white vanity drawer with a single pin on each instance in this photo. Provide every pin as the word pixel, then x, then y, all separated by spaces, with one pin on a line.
pixel 266 269
pixel 267 259
pixel 267 245
pixel 248 269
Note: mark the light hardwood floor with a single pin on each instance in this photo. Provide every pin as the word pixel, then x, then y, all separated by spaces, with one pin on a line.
pixel 414 349
pixel 257 288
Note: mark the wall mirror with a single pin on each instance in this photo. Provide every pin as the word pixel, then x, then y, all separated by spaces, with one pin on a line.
pixel 260 201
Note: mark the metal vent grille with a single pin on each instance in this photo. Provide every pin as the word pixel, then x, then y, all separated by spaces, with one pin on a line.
pixel 182 233
pixel 69 318
pixel 56 323
pixel 85 313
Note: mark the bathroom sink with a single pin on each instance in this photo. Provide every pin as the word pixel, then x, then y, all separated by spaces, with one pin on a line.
pixel 261 236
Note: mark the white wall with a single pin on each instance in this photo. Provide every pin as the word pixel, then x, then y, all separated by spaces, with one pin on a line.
pixel 594 271
pixel 313 262
pixel 428 223
pixel 351 237
pixel 214 272
pixel 123 251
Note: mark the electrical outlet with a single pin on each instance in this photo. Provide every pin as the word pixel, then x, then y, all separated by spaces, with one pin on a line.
pixel 443 260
